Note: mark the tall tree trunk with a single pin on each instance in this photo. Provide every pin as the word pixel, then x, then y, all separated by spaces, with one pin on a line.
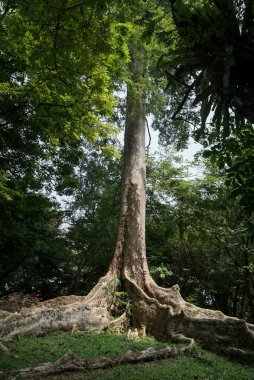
pixel 130 253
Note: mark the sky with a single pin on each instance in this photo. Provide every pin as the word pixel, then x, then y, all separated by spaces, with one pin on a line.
pixel 187 154
pixel 194 172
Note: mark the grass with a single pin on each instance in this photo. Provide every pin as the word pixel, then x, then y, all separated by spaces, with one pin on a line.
pixel 27 352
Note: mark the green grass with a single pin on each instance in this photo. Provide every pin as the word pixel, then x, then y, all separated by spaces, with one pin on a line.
pixel 204 366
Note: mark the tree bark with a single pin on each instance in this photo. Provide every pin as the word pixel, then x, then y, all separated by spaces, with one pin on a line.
pixel 130 252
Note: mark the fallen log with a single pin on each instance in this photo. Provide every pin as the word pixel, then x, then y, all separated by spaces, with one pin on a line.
pixel 70 362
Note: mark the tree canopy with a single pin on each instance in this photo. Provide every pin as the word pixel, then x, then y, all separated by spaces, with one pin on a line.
pixel 211 66
pixel 58 65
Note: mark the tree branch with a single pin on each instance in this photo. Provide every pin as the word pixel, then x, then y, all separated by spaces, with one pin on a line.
pixel 149 134
pixel 183 101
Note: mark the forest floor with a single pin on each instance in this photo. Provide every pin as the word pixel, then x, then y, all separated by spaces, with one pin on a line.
pixel 197 365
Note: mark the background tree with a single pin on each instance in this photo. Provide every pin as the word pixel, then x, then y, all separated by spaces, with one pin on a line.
pixel 212 67
pixel 92 217
pixel 34 256
pixel 199 236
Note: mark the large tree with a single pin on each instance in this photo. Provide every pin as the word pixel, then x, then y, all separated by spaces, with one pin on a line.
pixel 163 312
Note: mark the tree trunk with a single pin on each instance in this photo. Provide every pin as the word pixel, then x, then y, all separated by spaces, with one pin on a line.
pixel 130 254
pixel 161 312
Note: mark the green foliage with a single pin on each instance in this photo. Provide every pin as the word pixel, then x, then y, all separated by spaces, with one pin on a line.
pixel 33 252
pixel 211 67
pixel 5 191
pixel 37 253
pixel 235 155
pixel 161 273
pixel 214 57
pixel 92 216
pixel 119 303
pixel 203 237
pixel 58 66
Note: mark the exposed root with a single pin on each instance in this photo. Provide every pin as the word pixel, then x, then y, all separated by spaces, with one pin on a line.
pixel 70 362
pixel 163 312
pixel 119 324
pixel 4 314
pixel 172 297
pixel 3 350
pixel 168 296
pixel 240 355
pixel 60 301
pixel 39 321
pixel 101 291
pixel 91 313
pixel 184 322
